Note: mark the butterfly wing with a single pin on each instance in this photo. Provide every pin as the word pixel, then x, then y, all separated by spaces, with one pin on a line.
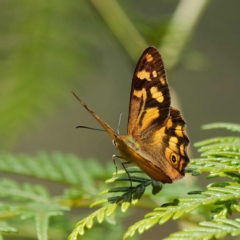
pixel 150 100
pixel 156 131
pixel 156 140
pixel 166 147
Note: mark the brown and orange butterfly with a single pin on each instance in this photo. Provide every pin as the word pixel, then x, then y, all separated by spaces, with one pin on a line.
pixel 156 140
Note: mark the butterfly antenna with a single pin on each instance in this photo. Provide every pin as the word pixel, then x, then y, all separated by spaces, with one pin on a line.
pixel 119 122
pixel 91 128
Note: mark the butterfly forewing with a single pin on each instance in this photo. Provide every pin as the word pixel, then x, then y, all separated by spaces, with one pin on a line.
pixel 149 100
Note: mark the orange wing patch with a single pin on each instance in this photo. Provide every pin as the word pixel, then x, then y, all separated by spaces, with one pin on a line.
pixel 162 80
pixel 156 94
pixel 149 57
pixel 137 93
pixel 142 75
pixel 154 73
pixel 148 116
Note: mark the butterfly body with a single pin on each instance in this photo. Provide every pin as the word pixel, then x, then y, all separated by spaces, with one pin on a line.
pixel 156 140
pixel 132 153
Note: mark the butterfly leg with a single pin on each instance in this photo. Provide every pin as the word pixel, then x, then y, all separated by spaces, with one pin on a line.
pixel 123 164
pixel 113 159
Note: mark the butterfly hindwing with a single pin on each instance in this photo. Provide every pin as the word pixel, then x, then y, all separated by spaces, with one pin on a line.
pixel 166 147
pixel 149 100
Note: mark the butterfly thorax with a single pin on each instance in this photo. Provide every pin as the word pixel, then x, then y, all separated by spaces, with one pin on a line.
pixel 131 142
pixel 135 144
pixel 126 146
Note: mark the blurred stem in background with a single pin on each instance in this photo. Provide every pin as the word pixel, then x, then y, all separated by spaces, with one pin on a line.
pixel 41 56
pixel 121 26
pixel 180 29
pixel 181 26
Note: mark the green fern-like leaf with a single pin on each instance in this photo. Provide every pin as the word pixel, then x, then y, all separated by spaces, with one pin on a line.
pixel 223 193
pixel 220 158
pixel 126 197
pixel 29 201
pixel 66 169
pixel 229 126
pixel 5 228
pixel 130 195
pixel 216 229
pixel 87 222
pixel 57 167
pixel 34 201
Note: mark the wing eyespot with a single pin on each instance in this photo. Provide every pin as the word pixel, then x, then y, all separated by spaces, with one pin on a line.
pixel 174 158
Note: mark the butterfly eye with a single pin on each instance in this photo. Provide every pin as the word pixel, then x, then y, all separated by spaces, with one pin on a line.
pixel 114 143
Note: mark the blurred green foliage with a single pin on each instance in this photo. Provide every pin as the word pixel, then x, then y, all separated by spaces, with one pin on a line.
pixel 46 48
pixel 49 48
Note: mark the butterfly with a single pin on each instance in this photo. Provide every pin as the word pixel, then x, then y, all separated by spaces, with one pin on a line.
pixel 156 139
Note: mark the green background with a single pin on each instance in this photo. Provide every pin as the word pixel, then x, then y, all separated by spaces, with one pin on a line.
pixel 50 48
